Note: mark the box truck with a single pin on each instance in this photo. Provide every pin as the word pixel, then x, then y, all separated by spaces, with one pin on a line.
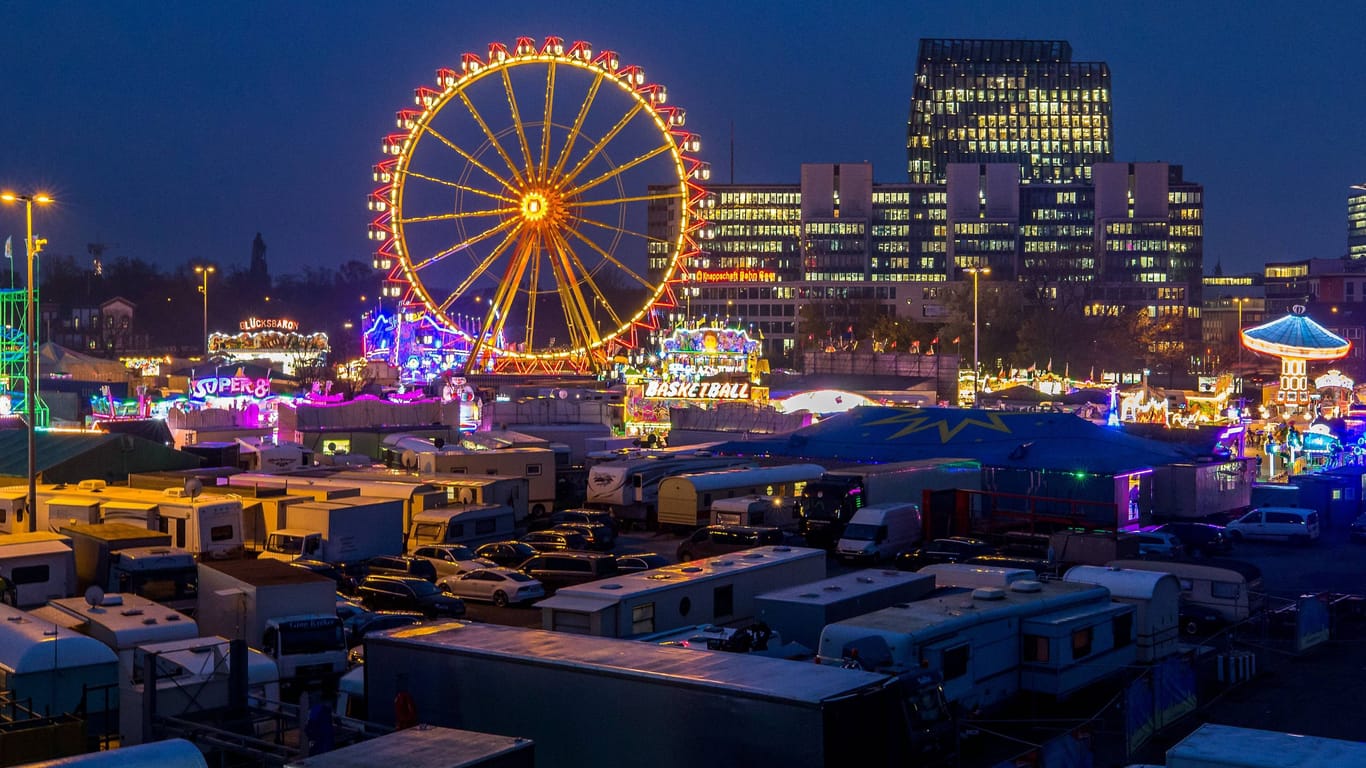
pixel 288 613
pixel 762 511
pixel 343 531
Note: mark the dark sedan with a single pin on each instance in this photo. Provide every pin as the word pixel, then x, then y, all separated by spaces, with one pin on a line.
pixel 952 549
pixel 641 562
pixel 508 554
pixel 405 593
pixel 556 541
pixel 1200 539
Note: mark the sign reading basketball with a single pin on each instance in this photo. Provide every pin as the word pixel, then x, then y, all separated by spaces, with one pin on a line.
pixel 684 390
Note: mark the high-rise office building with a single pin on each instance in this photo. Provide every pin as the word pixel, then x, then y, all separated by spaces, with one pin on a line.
pixel 1021 102
pixel 1356 223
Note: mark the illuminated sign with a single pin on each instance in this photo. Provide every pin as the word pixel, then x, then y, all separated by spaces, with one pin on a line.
pixel 685 390
pixel 1334 378
pixel 268 324
pixel 735 276
pixel 229 386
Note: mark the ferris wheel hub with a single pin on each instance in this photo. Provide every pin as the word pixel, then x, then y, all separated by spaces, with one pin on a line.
pixel 535 206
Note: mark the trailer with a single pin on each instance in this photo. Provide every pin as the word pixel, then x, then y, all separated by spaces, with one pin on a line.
pixel 117 557
pixel 170 753
pixel 461 524
pixel 288 613
pixel 38 567
pixel 826 505
pixel 344 531
pixel 50 665
pixel 537 465
pixel 714 590
pixel 759 510
pixel 629 486
pixel 506 490
pixel 1227 746
pixel 685 500
pixel 210 526
pixel 1156 598
pixel 668 707
pixel 989 643
pixel 429 747
pixel 799 613
pixel 123 622
pixel 322 486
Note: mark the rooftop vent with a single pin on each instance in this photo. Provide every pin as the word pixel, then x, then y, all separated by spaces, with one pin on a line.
pixel 989 593
pixel 1026 585
pixel 609 586
pixel 834 588
pixel 809 595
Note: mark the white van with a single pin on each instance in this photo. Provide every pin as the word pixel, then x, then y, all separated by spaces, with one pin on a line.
pixel 1295 524
pixel 879 531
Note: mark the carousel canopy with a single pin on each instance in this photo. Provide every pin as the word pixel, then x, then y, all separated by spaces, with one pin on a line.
pixel 1295 335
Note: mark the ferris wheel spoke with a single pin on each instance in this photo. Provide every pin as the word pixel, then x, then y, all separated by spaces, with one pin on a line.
pixel 517 122
pixel 600 145
pixel 532 295
pixel 621 230
pixel 501 304
pixel 461 187
pixel 574 130
pixel 481 268
pixel 492 137
pixel 543 166
pixel 457 215
pixel 614 261
pixel 598 296
pixel 490 232
pixel 577 314
pixel 636 199
pixel 617 171
pixel 471 159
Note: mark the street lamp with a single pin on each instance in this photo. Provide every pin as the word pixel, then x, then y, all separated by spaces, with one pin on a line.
pixel 32 246
pixel 975 271
pixel 204 289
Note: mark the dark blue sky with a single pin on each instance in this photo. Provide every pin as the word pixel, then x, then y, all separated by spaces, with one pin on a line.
pixel 178 130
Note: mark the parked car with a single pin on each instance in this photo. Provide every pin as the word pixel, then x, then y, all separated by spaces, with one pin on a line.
pixel 452 559
pixel 555 541
pixel 950 549
pixel 595 516
pixel 597 536
pixel 401 565
pixel 346 583
pixel 500 586
pixel 508 554
pixel 1196 619
pixel 352 614
pixel 1159 545
pixel 723 539
pixel 561 569
pixel 1042 567
pixel 1200 539
pixel 641 562
pixel 378 622
pixel 1296 524
pixel 1358 530
pixel 406 593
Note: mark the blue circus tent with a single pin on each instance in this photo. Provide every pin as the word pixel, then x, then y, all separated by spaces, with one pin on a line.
pixel 1049 441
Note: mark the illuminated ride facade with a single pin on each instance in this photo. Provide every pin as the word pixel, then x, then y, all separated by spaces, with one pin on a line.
pixel 696 368
pixel 510 214
pixel 1296 340
pixel 274 339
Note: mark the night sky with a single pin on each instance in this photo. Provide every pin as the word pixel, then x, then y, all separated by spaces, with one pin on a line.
pixel 179 130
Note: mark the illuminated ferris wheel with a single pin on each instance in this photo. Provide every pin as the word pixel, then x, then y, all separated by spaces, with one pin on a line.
pixel 524 203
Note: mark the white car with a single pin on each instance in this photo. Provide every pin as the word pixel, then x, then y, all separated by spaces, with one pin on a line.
pixel 452 559
pixel 500 586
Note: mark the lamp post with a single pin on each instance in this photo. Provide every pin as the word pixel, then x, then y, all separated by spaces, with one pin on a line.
pixel 31 246
pixel 204 289
pixel 975 272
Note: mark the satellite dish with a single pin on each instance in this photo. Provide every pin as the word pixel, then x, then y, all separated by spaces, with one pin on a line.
pixel 94 596
pixel 409 459
pixel 193 487
pixel 562 394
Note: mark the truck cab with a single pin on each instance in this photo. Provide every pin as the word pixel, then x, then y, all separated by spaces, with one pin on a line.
pixel 826 506
pixel 293 544
pixel 307 648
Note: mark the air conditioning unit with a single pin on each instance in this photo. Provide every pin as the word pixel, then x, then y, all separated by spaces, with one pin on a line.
pixel 92 485
pixel 176 493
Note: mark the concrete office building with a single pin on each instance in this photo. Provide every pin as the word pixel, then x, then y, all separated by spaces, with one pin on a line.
pixel 1356 223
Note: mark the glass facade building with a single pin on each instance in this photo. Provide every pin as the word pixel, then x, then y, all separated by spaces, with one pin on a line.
pixel 1008 101
pixel 1356 223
